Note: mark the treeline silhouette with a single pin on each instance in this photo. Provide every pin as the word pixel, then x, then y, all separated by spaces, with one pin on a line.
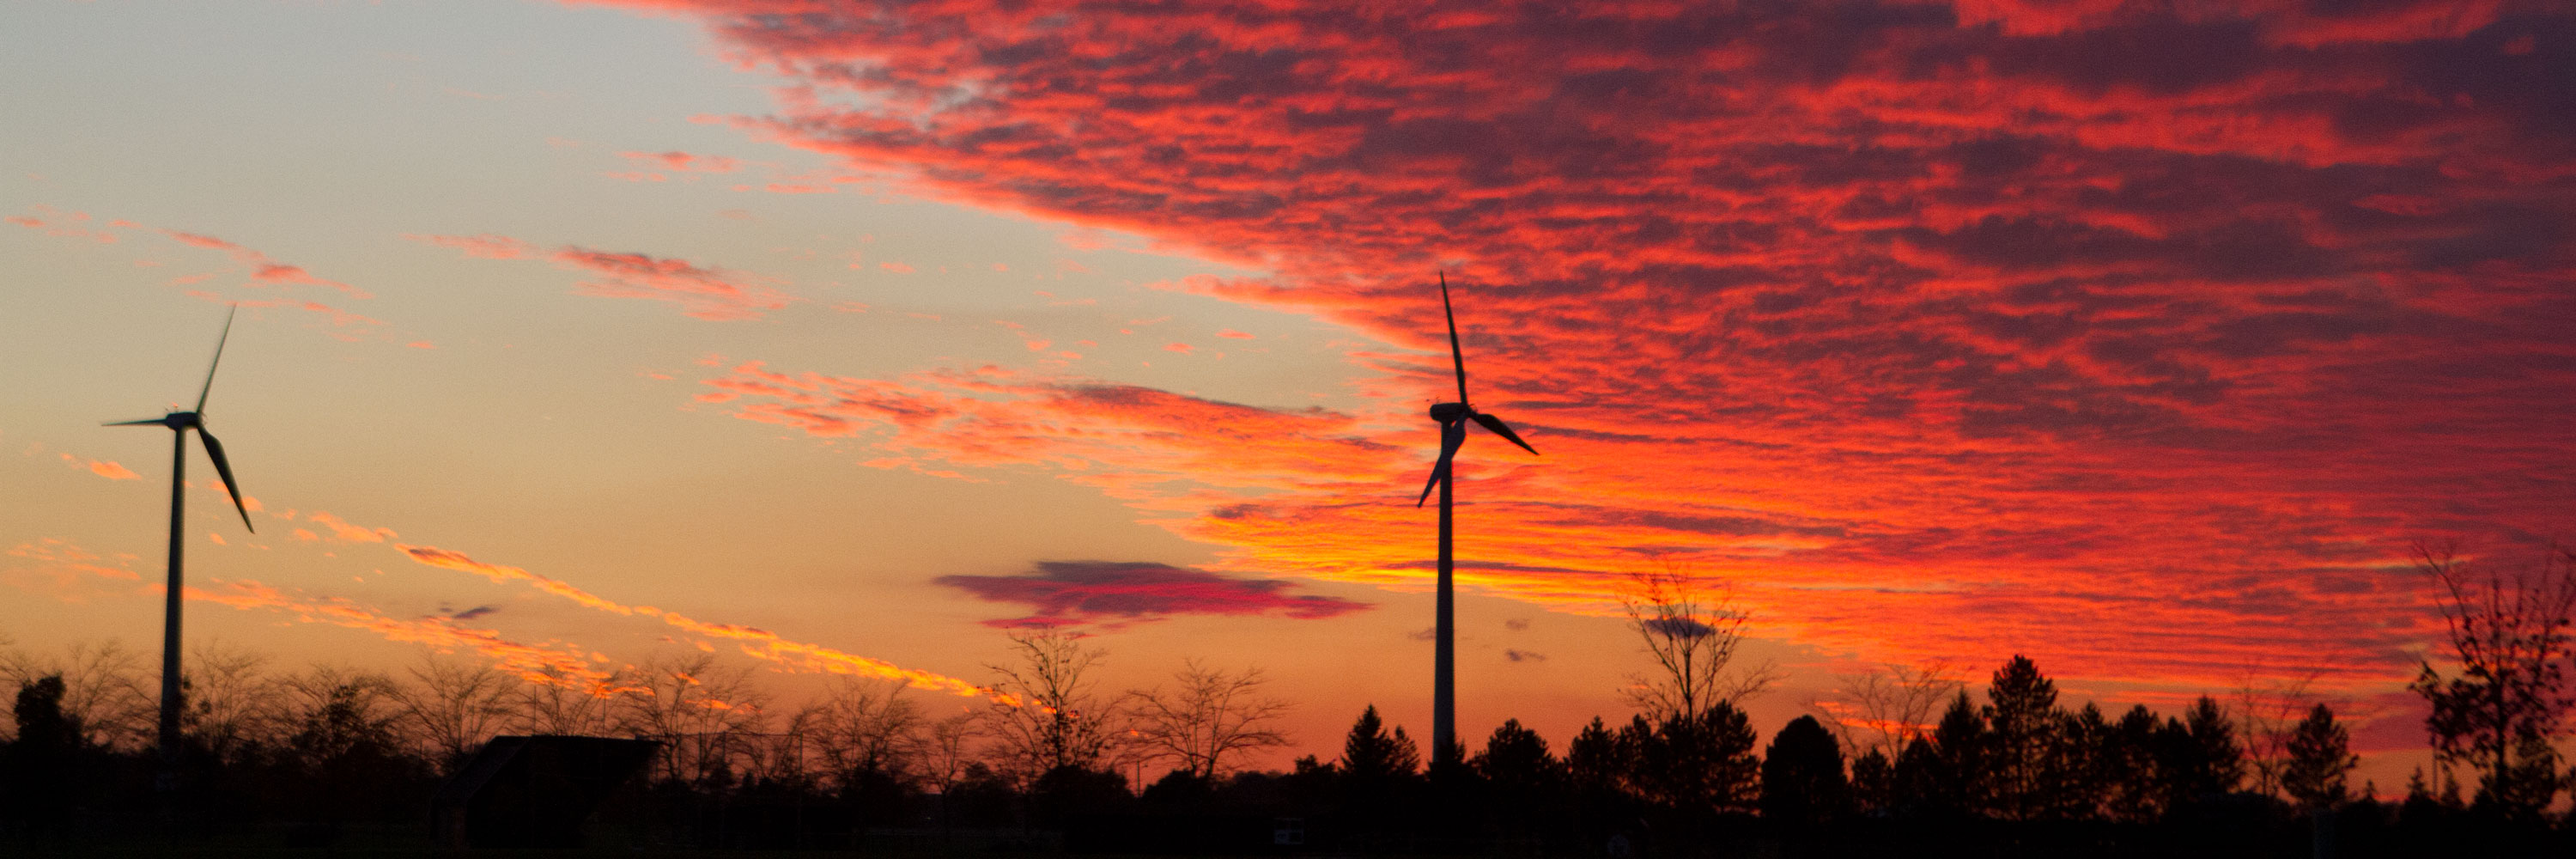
pixel 331 756
pixel 1906 760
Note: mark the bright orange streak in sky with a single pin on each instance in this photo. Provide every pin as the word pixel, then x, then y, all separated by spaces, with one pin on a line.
pixel 769 646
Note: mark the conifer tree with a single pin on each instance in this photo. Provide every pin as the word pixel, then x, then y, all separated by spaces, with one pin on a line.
pixel 1802 775
pixel 2320 755
pixel 2021 740
pixel 1956 780
pixel 1370 753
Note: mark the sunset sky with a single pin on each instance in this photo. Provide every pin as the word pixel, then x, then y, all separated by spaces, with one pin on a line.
pixel 2142 339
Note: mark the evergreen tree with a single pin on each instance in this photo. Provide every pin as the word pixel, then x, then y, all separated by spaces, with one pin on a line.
pixel 1802 775
pixel 2022 723
pixel 2320 755
pixel 1957 780
pixel 2080 766
pixel 1695 764
pixel 1372 754
pixel 1594 761
pixel 1516 762
pixel 1873 782
pixel 2198 756
pixel 2133 787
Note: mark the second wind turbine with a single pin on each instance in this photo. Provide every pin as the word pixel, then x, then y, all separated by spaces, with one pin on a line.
pixel 1453 419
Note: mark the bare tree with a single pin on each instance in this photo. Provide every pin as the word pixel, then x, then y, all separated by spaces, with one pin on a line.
pixel 862 727
pixel 945 750
pixel 2269 712
pixel 1894 704
pixel 1053 720
pixel 1208 717
pixel 2510 634
pixel 104 690
pixel 234 704
pixel 452 708
pixel 1692 636
pixel 336 712
pixel 554 702
pixel 699 710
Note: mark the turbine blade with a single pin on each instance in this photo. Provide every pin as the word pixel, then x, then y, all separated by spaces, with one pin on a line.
pixel 1438 473
pixel 219 359
pixel 1496 424
pixel 153 422
pixel 1452 435
pixel 223 468
pixel 1457 357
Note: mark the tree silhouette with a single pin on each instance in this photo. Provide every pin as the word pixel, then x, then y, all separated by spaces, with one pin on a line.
pixel 1692 636
pixel 2133 786
pixel 2022 738
pixel 1372 755
pixel 1516 762
pixel 1873 782
pixel 1694 764
pixel 1057 722
pixel 1802 775
pixel 2510 633
pixel 2082 765
pixel 1894 703
pixel 1595 763
pixel 1209 717
pixel 1945 773
pixel 2197 756
pixel 41 769
pixel 453 708
pixel 2319 754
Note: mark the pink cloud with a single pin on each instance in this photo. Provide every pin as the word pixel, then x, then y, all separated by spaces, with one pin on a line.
pixel 705 293
pixel 262 267
pixel 485 246
pixel 684 162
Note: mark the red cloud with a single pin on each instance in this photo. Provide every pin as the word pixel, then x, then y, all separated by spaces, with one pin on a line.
pixel 1118 593
pixel 2147 335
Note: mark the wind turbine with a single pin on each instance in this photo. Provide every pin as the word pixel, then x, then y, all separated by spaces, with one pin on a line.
pixel 180 423
pixel 1453 419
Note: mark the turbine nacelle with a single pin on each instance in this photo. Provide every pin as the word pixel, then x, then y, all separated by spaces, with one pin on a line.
pixel 183 421
pixel 1450 412
pixel 173 420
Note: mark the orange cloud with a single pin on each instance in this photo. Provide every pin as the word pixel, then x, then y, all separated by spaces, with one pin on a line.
pixel 63 570
pixel 344 532
pixel 550 662
pixel 102 467
pixel 757 643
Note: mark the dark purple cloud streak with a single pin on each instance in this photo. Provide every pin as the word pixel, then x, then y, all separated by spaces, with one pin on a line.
pixel 1119 593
